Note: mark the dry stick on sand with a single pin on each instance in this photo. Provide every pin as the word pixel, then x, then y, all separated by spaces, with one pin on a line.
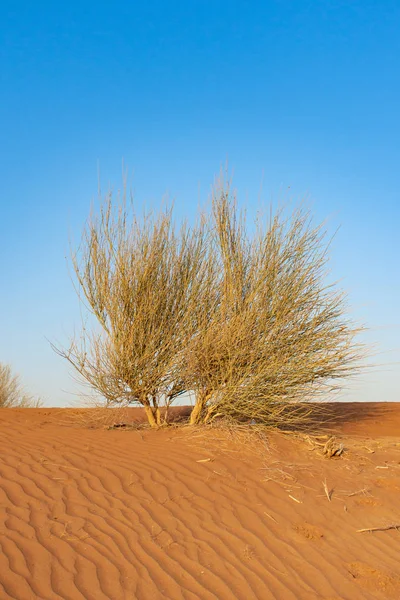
pixel 364 491
pixel 327 491
pixel 372 529
pixel 270 516
pixel 295 499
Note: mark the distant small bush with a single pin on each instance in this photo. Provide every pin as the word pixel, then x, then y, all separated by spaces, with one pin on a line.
pixel 12 394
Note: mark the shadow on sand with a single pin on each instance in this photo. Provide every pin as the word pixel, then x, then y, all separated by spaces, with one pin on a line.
pixel 338 415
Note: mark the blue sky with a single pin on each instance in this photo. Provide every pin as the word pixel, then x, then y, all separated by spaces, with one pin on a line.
pixel 299 97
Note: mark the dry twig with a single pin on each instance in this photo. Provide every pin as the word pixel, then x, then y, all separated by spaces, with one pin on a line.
pixel 328 492
pixel 384 528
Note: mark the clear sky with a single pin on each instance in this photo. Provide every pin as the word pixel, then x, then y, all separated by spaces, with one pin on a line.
pixel 300 96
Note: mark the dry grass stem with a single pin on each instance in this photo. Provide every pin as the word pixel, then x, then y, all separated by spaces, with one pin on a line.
pixel 364 492
pixel 328 492
pixel 295 499
pixel 384 528
pixel 270 517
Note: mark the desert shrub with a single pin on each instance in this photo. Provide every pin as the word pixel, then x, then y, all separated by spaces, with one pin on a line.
pixel 278 335
pixel 241 315
pixel 141 279
pixel 12 394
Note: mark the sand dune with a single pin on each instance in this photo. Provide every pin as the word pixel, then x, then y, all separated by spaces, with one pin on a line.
pixel 93 514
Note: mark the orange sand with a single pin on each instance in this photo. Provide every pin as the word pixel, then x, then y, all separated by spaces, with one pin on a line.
pixel 97 514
